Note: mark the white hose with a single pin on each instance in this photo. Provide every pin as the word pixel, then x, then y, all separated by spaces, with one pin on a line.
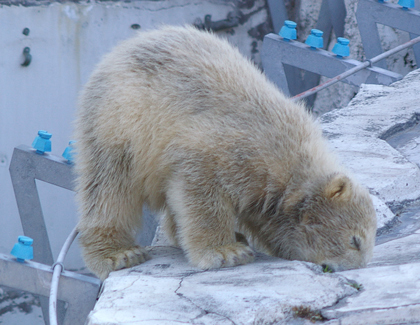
pixel 361 66
pixel 57 269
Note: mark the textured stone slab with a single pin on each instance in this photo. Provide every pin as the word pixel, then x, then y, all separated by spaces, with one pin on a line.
pixel 398 251
pixel 390 291
pixel 376 138
pixel 389 295
pixel 408 142
pixel 359 132
pixel 167 290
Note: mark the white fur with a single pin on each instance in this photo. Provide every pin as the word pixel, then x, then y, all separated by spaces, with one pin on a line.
pixel 180 120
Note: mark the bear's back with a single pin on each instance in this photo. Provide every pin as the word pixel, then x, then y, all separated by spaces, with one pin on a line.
pixel 177 87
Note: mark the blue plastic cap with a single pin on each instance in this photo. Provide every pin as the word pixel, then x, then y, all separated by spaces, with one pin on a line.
pixel 23 250
pixel 288 31
pixel 317 32
pixel 341 48
pixel 69 152
pixel 315 40
pixel 42 142
pixel 290 23
pixel 25 240
pixel 343 41
pixel 44 134
pixel 406 3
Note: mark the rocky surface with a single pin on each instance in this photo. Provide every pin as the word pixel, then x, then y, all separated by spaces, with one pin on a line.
pixel 168 290
pixel 372 136
pixel 376 138
pixel 18 307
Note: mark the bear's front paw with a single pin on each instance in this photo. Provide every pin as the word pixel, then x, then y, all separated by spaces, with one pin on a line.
pixel 222 256
pixel 118 260
pixel 128 258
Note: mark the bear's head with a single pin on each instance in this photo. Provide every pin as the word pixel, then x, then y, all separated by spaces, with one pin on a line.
pixel 336 224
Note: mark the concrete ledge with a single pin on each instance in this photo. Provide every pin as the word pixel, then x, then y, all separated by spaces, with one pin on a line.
pixel 359 133
pixel 390 295
pixel 167 290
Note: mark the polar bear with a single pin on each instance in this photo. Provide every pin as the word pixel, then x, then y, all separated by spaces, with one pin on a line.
pixel 178 119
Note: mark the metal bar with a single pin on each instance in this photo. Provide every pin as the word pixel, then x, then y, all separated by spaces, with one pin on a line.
pixel 371 12
pixel 78 291
pixel 276 52
pixel 338 15
pixel 25 167
pixel 324 22
pixel 361 66
pixel 278 14
pixel 331 16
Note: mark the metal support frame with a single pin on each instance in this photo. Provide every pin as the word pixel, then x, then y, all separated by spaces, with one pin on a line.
pixel 277 54
pixel 26 167
pixel 331 17
pixel 78 291
pixel 278 14
pixel 371 12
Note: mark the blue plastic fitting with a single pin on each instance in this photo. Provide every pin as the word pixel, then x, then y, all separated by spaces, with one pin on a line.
pixel 405 4
pixel 42 142
pixel 68 153
pixel 341 48
pixel 315 40
pixel 288 31
pixel 23 249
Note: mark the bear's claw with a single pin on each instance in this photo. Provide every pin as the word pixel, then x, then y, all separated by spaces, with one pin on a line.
pixel 128 258
pixel 118 260
pixel 223 256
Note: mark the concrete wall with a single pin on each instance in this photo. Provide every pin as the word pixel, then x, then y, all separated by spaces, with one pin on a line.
pixel 66 40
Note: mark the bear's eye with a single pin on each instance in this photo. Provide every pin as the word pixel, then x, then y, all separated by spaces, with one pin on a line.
pixel 355 243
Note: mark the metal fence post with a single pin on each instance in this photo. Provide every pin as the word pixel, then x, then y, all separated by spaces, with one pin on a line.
pixel 370 12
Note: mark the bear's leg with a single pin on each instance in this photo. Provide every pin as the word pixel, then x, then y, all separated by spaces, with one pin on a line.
pixel 110 217
pixel 170 228
pixel 107 249
pixel 205 221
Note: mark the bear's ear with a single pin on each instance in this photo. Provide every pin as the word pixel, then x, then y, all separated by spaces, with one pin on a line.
pixel 338 186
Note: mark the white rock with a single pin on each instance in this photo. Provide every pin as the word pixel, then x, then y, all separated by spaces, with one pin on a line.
pixel 357 134
pixel 398 251
pixel 167 290
pixel 383 213
pixel 389 295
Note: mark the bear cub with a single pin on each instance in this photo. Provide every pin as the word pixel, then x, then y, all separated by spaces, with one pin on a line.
pixel 178 119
